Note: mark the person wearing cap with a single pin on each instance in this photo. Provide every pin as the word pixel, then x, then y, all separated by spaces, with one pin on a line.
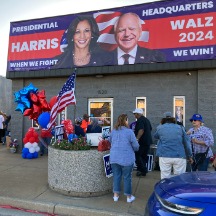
pixel 201 141
pixel 143 135
pixel 173 147
pixel 77 128
pixel 85 122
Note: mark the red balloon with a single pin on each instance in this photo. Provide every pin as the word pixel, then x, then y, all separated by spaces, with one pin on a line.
pixel 33 97
pixel 35 135
pixel 53 100
pixel 32 140
pixel 31 129
pixel 68 126
pixel 28 136
pixel 27 112
pixel 41 94
pixel 36 109
pixel 25 140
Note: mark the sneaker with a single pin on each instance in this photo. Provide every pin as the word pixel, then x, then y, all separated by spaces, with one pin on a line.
pixel 115 198
pixel 131 199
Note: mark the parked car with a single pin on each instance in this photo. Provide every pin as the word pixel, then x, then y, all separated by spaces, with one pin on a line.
pixel 192 193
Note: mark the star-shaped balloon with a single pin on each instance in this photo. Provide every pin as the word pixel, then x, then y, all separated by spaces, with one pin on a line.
pixel 20 107
pixel 25 101
pixel 17 96
pixel 31 88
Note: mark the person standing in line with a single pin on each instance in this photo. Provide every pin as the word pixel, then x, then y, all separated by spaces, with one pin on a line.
pixel 85 122
pixel 128 31
pixel 2 130
pixel 143 135
pixel 77 129
pixel 122 157
pixel 6 127
pixel 173 145
pixel 201 141
pixel 94 127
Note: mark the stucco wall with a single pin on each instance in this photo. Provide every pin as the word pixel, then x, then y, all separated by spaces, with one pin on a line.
pixel 159 88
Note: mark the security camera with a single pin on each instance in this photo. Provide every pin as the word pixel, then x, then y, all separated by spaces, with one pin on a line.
pixel 189 74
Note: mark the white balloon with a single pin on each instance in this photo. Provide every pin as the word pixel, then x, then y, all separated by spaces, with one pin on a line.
pixel 28 145
pixel 37 149
pixel 34 144
pixel 32 149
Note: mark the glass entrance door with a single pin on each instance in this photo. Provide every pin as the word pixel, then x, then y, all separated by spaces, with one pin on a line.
pixel 102 109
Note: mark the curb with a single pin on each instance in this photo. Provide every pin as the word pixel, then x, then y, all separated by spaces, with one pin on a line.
pixel 53 208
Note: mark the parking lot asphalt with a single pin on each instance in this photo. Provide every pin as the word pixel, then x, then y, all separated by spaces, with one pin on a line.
pixel 24 186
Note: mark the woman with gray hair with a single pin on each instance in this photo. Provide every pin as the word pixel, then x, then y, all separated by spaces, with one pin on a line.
pixel 94 127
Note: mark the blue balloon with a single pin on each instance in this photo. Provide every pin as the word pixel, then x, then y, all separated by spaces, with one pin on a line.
pixel 44 119
pixel 23 155
pixel 75 136
pixel 31 88
pixel 20 107
pixel 35 155
pixel 29 156
pixel 17 96
pixel 24 92
pixel 25 151
pixel 70 137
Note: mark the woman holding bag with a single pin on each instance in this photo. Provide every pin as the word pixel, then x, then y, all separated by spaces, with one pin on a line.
pixel 201 141
pixel 173 147
pixel 122 157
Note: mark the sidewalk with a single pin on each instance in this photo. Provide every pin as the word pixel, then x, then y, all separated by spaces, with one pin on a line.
pixel 23 184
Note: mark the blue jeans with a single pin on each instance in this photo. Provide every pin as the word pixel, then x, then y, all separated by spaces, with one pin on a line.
pixel 119 172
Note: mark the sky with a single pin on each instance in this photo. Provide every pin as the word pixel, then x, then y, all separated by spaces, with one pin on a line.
pixel 16 10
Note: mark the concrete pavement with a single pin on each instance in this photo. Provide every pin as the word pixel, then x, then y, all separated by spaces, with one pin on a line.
pixel 23 184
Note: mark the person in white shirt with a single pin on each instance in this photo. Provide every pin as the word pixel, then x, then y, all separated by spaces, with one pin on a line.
pixel 1 127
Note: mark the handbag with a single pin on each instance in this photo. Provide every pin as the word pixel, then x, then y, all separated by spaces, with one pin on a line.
pixel 200 157
pixel 104 145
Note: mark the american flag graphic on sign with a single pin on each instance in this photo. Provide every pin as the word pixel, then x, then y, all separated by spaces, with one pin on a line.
pixel 106 22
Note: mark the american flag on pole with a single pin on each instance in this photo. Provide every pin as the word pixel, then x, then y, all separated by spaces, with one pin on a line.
pixel 106 21
pixel 65 97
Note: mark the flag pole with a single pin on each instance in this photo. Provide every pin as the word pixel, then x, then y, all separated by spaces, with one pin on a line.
pixel 75 71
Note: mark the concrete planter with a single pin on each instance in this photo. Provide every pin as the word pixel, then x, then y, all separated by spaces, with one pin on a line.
pixel 78 173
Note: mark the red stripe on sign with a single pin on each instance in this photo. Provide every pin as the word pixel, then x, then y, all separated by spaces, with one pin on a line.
pixel 182 31
pixel 105 16
pixel 35 46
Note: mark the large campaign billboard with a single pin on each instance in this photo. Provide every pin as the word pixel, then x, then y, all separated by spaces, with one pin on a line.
pixel 164 31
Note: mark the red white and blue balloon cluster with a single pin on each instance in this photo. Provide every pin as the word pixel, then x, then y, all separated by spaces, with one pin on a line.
pixel 31 147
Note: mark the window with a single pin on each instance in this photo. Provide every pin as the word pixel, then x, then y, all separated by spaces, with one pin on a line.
pixel 35 125
pixel 62 116
pixel 102 109
pixel 141 103
pixel 179 108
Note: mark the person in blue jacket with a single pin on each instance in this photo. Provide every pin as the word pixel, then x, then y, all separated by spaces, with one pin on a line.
pixel 172 147
pixel 122 157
